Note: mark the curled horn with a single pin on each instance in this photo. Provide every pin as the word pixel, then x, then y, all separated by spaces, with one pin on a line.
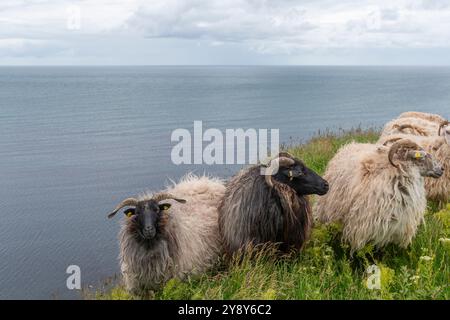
pixel 285 162
pixel 284 159
pixel 410 126
pixel 164 196
pixel 285 154
pixel 443 124
pixel 391 140
pixel 403 143
pixel 405 126
pixel 125 203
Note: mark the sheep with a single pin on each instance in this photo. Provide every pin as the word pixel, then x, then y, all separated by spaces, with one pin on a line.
pixel 438 190
pixel 416 123
pixel 377 193
pixel 422 115
pixel 269 208
pixel 413 126
pixel 170 234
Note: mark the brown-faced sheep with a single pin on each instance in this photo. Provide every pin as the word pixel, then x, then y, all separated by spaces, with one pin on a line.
pixel 173 233
pixel 377 193
pixel 270 208
pixel 439 146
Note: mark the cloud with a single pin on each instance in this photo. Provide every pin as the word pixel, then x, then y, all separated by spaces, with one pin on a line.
pixel 220 20
pixel 434 4
pixel 262 27
pixel 297 24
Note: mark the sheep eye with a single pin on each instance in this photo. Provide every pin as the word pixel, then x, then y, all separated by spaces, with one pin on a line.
pixel 164 206
pixel 129 212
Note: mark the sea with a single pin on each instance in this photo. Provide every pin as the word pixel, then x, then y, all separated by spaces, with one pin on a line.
pixel 74 141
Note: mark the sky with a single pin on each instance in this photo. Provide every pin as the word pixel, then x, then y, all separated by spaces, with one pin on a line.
pixel 225 32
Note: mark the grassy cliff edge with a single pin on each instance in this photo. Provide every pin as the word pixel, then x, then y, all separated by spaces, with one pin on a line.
pixel 324 270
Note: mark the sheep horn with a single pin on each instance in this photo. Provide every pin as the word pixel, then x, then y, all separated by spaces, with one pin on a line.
pixel 285 154
pixel 393 150
pixel 286 162
pixel 443 124
pixel 391 140
pixel 165 196
pixel 403 143
pixel 125 203
pixel 405 126
pixel 281 161
pixel 410 126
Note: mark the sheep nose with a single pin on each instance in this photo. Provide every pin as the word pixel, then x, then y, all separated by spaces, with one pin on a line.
pixel 149 231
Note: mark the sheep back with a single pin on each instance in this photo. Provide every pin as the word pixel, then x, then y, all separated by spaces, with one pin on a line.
pixel 416 126
pixel 253 213
pixel 423 115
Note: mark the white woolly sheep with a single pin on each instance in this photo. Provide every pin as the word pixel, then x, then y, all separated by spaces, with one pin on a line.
pixel 413 126
pixel 416 123
pixel 423 115
pixel 170 234
pixel 376 192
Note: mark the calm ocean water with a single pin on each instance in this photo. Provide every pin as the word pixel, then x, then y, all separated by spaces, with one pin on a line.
pixel 75 141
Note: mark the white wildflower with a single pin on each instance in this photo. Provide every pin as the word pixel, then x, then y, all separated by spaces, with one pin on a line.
pixel 426 258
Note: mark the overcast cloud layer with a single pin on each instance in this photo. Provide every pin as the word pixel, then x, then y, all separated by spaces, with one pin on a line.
pixel 224 32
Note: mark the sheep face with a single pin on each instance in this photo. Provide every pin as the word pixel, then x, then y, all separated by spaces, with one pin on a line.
pixel 428 166
pixel 409 153
pixel 300 178
pixel 147 218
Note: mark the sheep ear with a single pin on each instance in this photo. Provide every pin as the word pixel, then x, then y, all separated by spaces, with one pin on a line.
pixel 164 206
pixel 292 173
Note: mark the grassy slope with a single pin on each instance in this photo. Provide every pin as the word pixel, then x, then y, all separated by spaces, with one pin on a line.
pixel 324 269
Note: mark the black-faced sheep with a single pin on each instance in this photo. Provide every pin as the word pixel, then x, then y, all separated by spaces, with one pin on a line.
pixel 270 208
pixel 377 193
pixel 170 234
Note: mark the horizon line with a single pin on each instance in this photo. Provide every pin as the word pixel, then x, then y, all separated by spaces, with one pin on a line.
pixel 225 65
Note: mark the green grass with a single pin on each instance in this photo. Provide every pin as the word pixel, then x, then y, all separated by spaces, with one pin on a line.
pixel 324 269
